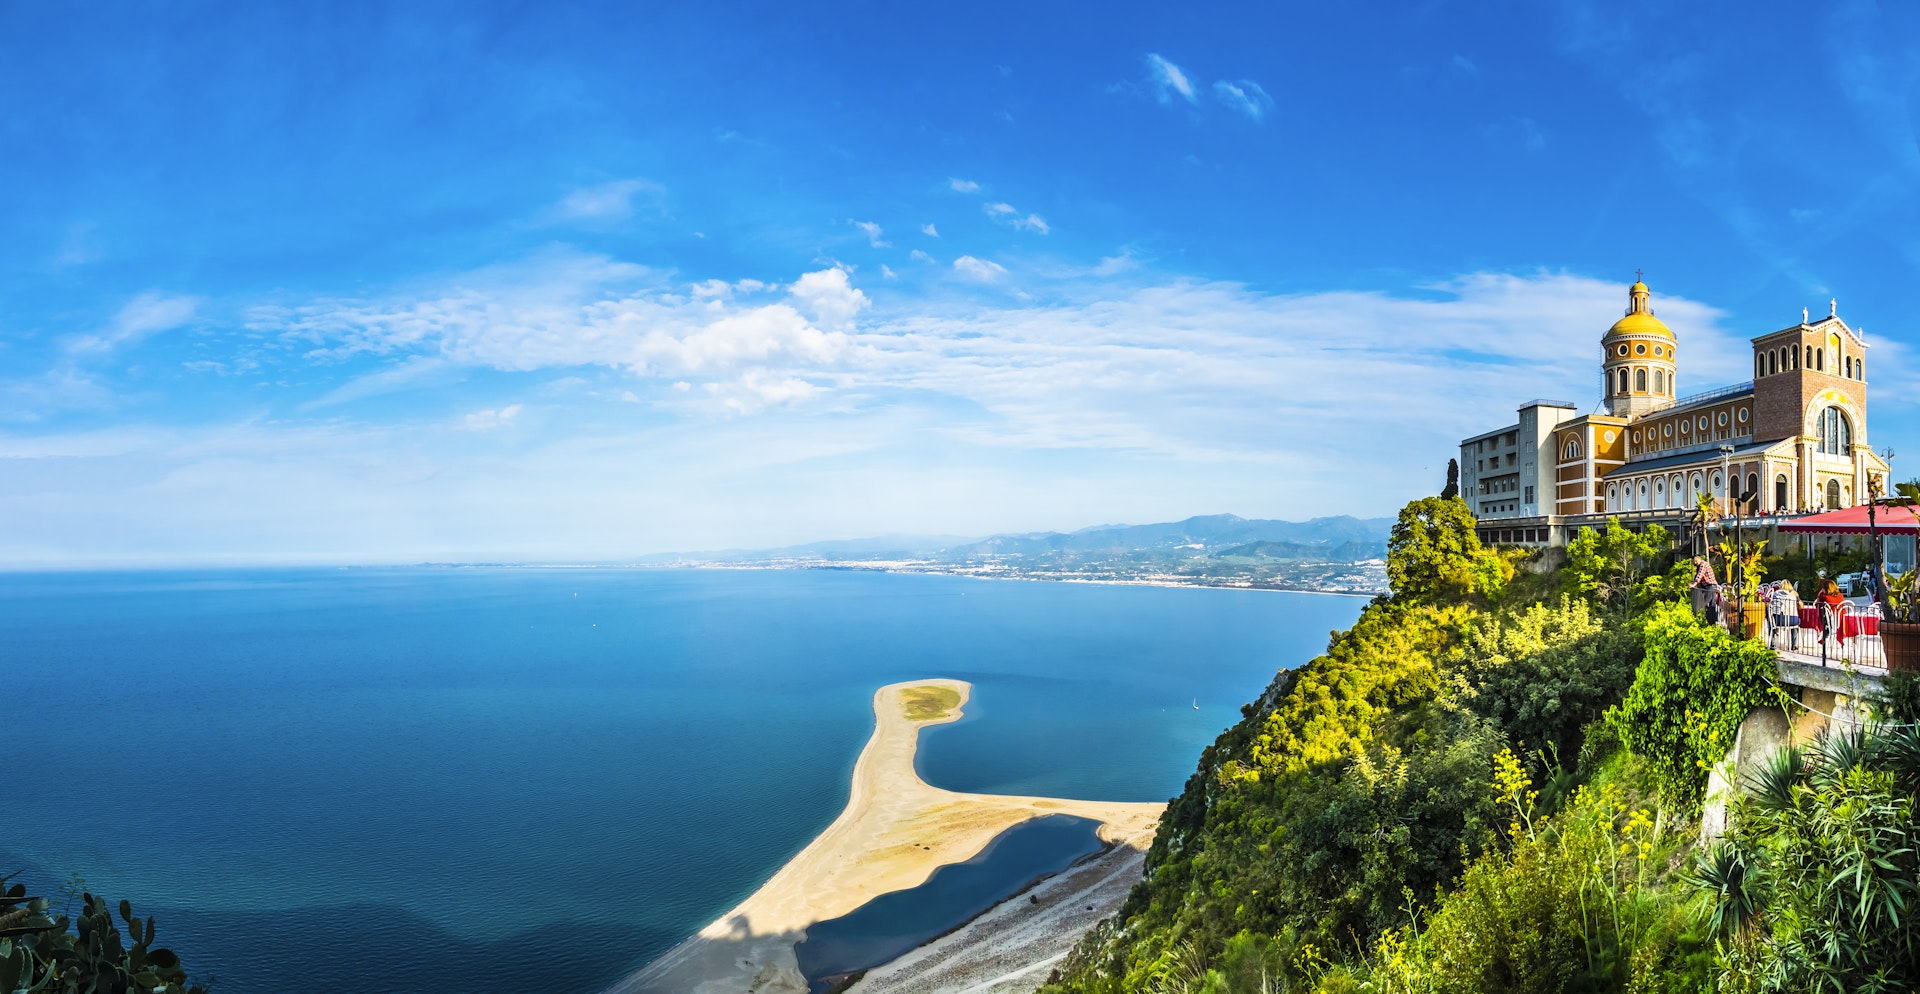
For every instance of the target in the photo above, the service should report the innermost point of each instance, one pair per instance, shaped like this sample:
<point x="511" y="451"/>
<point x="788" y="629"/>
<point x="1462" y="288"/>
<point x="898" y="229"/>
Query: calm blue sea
<point x="515" y="780"/>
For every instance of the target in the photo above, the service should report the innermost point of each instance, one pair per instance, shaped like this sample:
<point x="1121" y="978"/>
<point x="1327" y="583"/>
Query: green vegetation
<point x="41" y="951"/>
<point x="1491" y="783"/>
<point x="929" y="702"/>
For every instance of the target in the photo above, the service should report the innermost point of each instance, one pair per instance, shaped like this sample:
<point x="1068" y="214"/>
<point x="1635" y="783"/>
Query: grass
<point x="928" y="703"/>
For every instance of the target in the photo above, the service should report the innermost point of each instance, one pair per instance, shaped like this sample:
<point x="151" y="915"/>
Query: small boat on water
<point x="1196" y="704"/>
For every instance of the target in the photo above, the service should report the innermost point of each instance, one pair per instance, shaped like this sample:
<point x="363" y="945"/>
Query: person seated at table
<point x="1830" y="599"/>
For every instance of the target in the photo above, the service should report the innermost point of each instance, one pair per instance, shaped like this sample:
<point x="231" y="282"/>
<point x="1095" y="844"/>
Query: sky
<point x="562" y="281"/>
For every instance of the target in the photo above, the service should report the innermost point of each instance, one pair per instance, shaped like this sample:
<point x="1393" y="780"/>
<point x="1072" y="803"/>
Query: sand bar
<point x="896" y="830"/>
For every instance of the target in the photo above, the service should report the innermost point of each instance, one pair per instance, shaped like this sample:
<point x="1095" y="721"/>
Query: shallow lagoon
<point x="477" y="780"/>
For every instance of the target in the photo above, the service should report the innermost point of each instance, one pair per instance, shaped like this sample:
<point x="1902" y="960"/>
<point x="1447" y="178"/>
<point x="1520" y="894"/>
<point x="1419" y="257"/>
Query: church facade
<point x="1791" y="440"/>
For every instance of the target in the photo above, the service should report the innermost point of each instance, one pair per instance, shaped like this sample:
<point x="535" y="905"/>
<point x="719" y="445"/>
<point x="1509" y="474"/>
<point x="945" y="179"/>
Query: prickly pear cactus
<point x="41" y="953"/>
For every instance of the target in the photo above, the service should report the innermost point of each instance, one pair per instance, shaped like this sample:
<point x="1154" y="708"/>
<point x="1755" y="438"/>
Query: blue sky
<point x="563" y="280"/>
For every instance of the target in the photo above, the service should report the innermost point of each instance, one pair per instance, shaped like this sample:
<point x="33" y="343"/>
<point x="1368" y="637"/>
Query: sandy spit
<point x="895" y="831"/>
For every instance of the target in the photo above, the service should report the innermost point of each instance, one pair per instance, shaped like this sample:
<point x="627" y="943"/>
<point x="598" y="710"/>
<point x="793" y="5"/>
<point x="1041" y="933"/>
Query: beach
<point x="894" y="832"/>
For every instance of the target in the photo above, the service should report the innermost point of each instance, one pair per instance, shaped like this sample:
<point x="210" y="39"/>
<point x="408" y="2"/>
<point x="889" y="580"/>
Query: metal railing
<point x="1707" y="396"/>
<point x="1847" y="637"/>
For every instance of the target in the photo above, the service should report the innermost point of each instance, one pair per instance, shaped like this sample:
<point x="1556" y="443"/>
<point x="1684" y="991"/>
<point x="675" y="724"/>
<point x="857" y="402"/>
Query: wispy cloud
<point x="148" y="314"/>
<point x="493" y="418"/>
<point x="1245" y="96"/>
<point x="979" y="270"/>
<point x="873" y="233"/>
<point x="1168" y="80"/>
<point x="929" y="230"/>
<point x="576" y="312"/>
<point x="609" y="201"/>
<point x="1008" y="215"/>
<point x="963" y="186"/>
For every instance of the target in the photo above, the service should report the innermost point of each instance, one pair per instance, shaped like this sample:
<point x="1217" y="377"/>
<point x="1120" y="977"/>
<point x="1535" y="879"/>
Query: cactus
<point x="44" y="954"/>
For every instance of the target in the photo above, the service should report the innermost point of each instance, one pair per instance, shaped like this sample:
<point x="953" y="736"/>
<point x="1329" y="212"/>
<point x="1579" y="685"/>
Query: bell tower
<point x="1637" y="359"/>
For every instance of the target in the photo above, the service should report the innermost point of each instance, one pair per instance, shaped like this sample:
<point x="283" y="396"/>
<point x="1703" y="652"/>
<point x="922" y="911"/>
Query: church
<point x="1791" y="440"/>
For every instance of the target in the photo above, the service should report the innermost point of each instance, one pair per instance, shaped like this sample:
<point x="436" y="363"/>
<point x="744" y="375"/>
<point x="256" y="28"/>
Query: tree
<point x="1452" y="489"/>
<point x="1607" y="566"/>
<point x="1434" y="552"/>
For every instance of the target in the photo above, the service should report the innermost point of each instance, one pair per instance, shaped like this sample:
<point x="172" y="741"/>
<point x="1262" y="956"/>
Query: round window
<point x="1610" y="437"/>
<point x="1685" y="427"/>
<point x="1640" y="349"/>
<point x="1623" y="349"/>
<point x="1743" y="415"/>
<point x="1723" y="419"/>
<point x="1701" y="422"/>
<point x="1636" y="437"/>
<point x="1667" y="431"/>
<point x="1657" y="350"/>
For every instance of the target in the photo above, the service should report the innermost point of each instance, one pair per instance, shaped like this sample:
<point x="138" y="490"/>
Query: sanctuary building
<point x="1790" y="440"/>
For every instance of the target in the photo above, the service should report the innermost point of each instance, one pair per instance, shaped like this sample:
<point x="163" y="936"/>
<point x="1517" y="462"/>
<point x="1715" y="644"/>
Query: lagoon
<point x="430" y="780"/>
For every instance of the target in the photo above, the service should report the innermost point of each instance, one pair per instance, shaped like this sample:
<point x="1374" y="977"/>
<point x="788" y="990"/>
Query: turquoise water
<point x="481" y="780"/>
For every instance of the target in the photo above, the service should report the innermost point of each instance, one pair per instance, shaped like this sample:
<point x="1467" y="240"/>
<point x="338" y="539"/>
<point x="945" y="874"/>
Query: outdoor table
<point x="1810" y="616"/>
<point x="1858" y="624"/>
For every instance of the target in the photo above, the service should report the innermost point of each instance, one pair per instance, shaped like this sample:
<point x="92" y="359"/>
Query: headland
<point x="895" y="831"/>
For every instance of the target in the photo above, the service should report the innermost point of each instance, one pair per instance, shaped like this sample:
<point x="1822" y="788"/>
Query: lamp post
<point x="1733" y="561"/>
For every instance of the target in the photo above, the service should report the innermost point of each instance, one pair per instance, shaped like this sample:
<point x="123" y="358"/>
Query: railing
<point x="1717" y="393"/>
<point x="1820" y="635"/>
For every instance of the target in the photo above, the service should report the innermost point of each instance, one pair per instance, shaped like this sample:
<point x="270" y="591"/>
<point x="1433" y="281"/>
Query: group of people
<point x="1829" y="598"/>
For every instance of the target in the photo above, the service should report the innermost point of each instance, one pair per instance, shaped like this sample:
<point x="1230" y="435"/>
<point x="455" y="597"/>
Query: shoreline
<point x="894" y="832"/>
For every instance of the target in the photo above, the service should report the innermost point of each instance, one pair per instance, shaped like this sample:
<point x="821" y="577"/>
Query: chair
<point x="1783" y="618"/>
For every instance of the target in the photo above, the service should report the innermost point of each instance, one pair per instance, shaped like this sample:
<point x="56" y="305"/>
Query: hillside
<point x="1492" y="783"/>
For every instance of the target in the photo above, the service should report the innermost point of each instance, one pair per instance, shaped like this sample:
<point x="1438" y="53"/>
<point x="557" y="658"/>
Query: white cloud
<point x="606" y="201"/>
<point x="410" y="373"/>
<point x="1128" y="395"/>
<point x="143" y="316"/>
<point x="490" y="419"/>
<point x="1463" y="65"/>
<point x="929" y="230"/>
<point x="1245" y="96"/>
<point x="1008" y="215"/>
<point x="887" y="272"/>
<point x="1168" y="80"/>
<point x="922" y="256"/>
<point x="873" y="233"/>
<point x="964" y="186"/>
<point x="580" y="311"/>
<point x="981" y="270"/>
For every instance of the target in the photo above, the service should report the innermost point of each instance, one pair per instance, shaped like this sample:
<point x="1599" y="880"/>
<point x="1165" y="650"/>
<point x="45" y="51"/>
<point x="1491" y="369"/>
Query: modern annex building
<point x="1792" y="439"/>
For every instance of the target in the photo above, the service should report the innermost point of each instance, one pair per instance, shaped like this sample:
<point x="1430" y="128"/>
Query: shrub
<point x="1694" y="687"/>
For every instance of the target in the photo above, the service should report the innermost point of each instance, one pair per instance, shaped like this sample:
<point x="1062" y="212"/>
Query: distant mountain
<point x="1208" y="534"/>
<point x="1334" y="539"/>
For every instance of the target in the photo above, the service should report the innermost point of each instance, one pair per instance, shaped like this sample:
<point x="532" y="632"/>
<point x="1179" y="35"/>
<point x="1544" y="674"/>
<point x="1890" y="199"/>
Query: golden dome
<point x="1639" y="319"/>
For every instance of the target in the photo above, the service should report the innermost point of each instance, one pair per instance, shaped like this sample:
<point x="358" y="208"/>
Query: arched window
<point x="1833" y="495"/>
<point x="1659" y="381"/>
<point x="1859" y="369"/>
<point x="1659" y="494"/>
<point x="1819" y="360"/>
<point x="1759" y="366"/>
<point x="1780" y="492"/>
<point x="1849" y="364"/>
<point x="1753" y="487"/>
<point x="1573" y="449"/>
<point x="1836" y="432"/>
<point x="1719" y="486"/>
<point x="1640" y="380"/>
<point x="1693" y="489"/>
<point x="1623" y="381"/>
<point x="1809" y="356"/>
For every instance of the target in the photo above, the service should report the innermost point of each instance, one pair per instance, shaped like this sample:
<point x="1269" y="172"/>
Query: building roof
<point x="1697" y="456"/>
<point x="1639" y="319"/>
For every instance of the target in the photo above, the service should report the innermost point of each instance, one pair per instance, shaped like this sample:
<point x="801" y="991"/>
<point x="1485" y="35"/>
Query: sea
<point x="480" y="780"/>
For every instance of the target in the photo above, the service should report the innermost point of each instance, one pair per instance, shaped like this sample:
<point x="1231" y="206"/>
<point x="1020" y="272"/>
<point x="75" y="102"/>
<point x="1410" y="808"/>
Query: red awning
<point x="1853" y="521"/>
